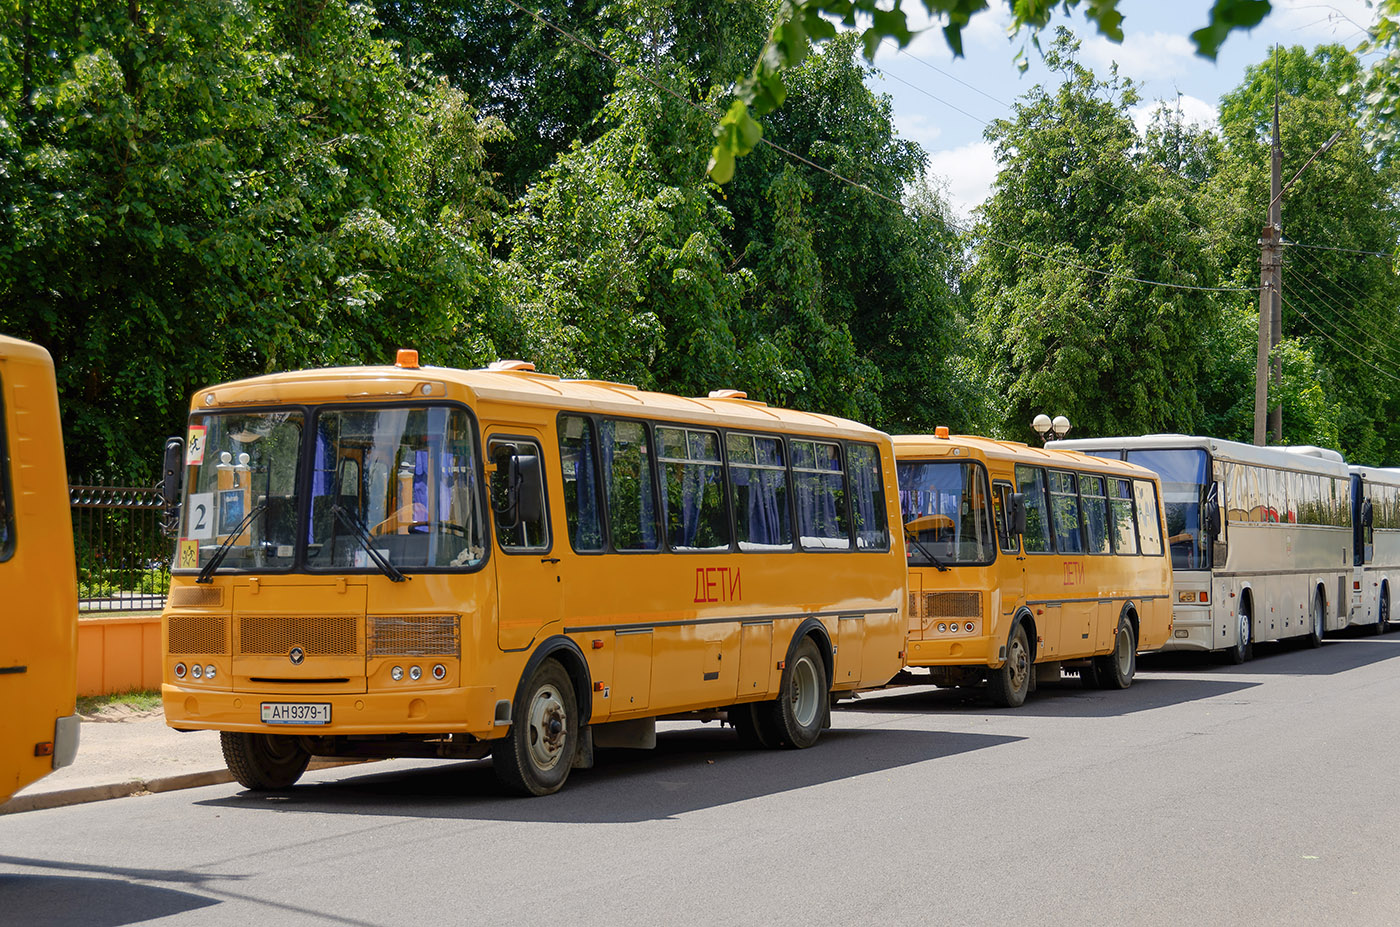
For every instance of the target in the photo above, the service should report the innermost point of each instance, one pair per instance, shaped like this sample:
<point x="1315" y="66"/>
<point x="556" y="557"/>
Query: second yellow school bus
<point x="419" y="561"/>
<point x="1025" y="561"/>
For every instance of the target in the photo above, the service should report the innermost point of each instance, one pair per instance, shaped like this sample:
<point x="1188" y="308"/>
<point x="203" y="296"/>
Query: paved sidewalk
<point x="135" y="755"/>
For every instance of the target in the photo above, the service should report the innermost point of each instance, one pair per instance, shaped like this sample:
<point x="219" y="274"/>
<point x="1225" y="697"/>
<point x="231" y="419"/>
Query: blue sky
<point x="943" y="103"/>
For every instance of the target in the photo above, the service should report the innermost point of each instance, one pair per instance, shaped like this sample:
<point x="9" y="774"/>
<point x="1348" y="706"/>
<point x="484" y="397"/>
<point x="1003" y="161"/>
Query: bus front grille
<point x="197" y="634"/>
<point x="951" y="605"/>
<point x="196" y="597"/>
<point x="413" y="636"/>
<point x="260" y="635"/>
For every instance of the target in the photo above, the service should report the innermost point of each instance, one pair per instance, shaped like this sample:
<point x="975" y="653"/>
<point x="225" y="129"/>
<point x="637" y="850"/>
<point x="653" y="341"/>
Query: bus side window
<point x="1148" y="518"/>
<point x="692" y="497"/>
<point x="1125" y="539"/>
<point x="758" y="492"/>
<point x="516" y="530"/>
<point x="1001" y="502"/>
<point x="627" y="480"/>
<point x="578" y="465"/>
<point x="1095" y="508"/>
<point x="1064" y="510"/>
<point x="819" y="485"/>
<point x="1031" y="481"/>
<point x="872" y="533"/>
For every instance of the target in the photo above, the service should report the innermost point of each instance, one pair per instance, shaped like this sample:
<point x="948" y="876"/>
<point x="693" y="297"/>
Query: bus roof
<point x="511" y="383"/>
<point x="1390" y="475"/>
<point x="914" y="446"/>
<point x="14" y="348"/>
<point x="1304" y="457"/>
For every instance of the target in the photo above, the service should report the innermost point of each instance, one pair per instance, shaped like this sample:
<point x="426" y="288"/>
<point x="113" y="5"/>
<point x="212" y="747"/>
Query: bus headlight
<point x="415" y="673"/>
<point x="180" y="671"/>
<point x="439" y="671"/>
<point x="396" y="673"/>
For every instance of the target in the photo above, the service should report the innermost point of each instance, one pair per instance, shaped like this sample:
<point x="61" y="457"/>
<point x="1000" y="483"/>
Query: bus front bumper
<point x="968" y="651"/>
<point x="466" y="710"/>
<point x="65" y="740"/>
<point x="1192" y="629"/>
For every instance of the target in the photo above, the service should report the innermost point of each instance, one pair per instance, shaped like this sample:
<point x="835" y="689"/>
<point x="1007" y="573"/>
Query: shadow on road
<point x="689" y="770"/>
<point x="1064" y="699"/>
<point x="1287" y="658"/>
<point x="80" y="901"/>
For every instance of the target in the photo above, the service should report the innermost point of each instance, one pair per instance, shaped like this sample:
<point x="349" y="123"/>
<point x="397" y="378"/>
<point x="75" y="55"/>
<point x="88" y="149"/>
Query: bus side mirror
<point x="1018" y="513"/>
<point x="171" y="470"/>
<point x="1212" y="519"/>
<point x="1367" y="513"/>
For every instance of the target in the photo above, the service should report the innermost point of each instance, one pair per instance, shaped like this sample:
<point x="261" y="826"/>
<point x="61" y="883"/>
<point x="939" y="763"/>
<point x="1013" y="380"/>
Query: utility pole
<point x="1270" y="297"/>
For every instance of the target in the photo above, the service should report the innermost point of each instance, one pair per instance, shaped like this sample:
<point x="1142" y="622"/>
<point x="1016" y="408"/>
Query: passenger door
<point x="529" y="591"/>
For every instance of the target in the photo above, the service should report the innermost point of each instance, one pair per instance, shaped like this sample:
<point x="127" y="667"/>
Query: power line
<point x="1380" y="254"/>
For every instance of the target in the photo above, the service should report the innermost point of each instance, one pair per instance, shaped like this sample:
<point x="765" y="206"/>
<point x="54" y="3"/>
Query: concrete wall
<point x="118" y="653"/>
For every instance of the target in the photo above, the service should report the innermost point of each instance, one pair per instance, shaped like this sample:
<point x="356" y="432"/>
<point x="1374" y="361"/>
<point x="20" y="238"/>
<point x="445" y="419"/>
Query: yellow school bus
<point x="1024" y="562"/>
<point x="38" y="582"/>
<point x="420" y="561"/>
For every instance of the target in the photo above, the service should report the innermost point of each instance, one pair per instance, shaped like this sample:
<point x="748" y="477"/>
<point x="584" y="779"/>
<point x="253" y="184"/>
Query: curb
<point x="42" y="801"/>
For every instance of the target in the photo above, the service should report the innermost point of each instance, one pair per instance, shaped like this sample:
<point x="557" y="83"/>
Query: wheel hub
<point x="548" y="728"/>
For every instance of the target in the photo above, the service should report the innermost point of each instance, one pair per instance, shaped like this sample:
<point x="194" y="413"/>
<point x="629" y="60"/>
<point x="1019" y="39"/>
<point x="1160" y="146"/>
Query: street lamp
<point x="1050" y="429"/>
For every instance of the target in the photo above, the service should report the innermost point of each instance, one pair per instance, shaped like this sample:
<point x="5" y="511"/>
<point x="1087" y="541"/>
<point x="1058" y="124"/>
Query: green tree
<point x="1339" y="215"/>
<point x="206" y="189"/>
<point x="1081" y="232"/>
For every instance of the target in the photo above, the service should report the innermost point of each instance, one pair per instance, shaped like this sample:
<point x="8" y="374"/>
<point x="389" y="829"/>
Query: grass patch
<point x="137" y="700"/>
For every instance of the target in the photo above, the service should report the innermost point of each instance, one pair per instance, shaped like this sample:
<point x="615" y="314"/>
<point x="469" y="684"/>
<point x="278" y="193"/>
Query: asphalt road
<point x="1262" y="794"/>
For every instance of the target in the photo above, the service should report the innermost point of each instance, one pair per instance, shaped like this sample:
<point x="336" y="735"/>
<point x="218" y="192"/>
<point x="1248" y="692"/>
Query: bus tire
<point x="1116" y="669"/>
<point x="1011" y="682"/>
<point x="1319" y="621"/>
<point x="1244" y="642"/>
<point x="799" y="712"/>
<point x="264" y="762"/>
<point x="534" y="758"/>
<point x="1383" y="611"/>
<point x="752" y="722"/>
<point x="1089" y="675"/>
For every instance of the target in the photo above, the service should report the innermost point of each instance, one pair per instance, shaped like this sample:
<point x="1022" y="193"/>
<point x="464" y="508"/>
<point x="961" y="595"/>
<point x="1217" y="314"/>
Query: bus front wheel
<point x="1010" y="683"/>
<point x="535" y="757"/>
<point x="1319" y="621"/>
<point x="796" y="716"/>
<point x="752" y="721"/>
<point x="1116" y="670"/>
<point x="1244" y="639"/>
<point x="263" y="762"/>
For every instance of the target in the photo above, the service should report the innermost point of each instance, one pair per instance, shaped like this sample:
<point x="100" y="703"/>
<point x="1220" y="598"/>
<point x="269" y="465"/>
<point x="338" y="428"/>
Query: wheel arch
<point x="1022" y="617"/>
<point x="814" y="629"/>
<point x="1130" y="612"/>
<point x="569" y="655"/>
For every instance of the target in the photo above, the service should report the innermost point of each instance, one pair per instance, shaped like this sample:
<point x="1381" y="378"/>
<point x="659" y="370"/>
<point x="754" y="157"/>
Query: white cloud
<point x="1193" y="110"/>
<point x="987" y="29"/>
<point x="1143" y="56"/>
<point x="1343" y="21"/>
<point x="916" y="127"/>
<point x="969" y="172"/>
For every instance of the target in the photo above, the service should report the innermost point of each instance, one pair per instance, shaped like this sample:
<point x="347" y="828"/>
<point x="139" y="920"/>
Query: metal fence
<point x="123" y="558"/>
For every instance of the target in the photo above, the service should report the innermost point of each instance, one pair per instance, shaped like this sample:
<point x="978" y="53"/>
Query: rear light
<point x="1356" y="584"/>
<point x="1205" y="596"/>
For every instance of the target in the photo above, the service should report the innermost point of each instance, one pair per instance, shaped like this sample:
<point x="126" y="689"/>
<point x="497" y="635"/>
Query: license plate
<point x="296" y="712"/>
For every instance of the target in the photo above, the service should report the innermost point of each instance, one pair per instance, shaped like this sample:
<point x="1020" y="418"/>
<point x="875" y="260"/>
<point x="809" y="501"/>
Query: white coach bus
<point x="1375" y="518"/>
<point x="1261" y="538"/>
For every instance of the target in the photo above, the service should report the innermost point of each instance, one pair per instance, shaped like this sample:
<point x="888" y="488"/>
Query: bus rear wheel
<point x="1116" y="670"/>
<point x="797" y="715"/>
<point x="1383" y="612"/>
<point x="264" y="762"/>
<point x="537" y="754"/>
<point x="1010" y="683"/>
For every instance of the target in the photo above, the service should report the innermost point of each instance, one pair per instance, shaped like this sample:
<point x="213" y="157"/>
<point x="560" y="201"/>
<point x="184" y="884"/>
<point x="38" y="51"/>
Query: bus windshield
<point x="386" y="489"/>
<point x="946" y="510"/>
<point x="1185" y="474"/>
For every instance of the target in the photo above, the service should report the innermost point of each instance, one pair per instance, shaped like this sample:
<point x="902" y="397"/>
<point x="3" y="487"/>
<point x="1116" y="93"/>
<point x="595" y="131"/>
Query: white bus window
<point x="758" y="485"/>
<point x="513" y="532"/>
<point x="692" y="505"/>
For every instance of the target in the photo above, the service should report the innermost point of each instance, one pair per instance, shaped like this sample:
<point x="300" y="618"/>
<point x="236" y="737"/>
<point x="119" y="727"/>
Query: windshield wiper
<point x="357" y="528"/>
<point x="924" y="550"/>
<point x="206" y="575"/>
